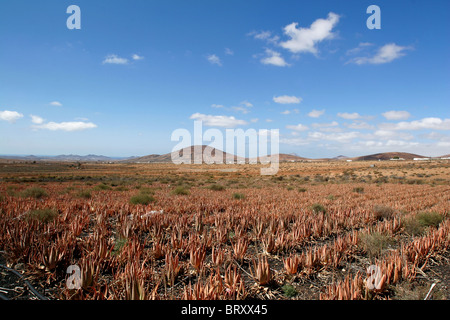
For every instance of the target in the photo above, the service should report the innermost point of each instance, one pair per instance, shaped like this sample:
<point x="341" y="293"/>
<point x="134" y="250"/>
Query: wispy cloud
<point x="213" y="59"/>
<point x="359" y="48"/>
<point x="274" y="58"/>
<point x="264" y="35"/>
<point x="396" y="115"/>
<point x="306" y="39"/>
<point x="114" y="59"/>
<point x="287" y="99"/>
<point x="298" y="127"/>
<point x="385" y="54"/>
<point x="56" y="104"/>
<point x="349" y="116"/>
<point x="66" y="126"/>
<point x="218" y="121"/>
<point x="360" y="125"/>
<point x="229" y="52"/>
<point x="425" y="123"/>
<point x="316" y="113"/>
<point x="10" y="116"/>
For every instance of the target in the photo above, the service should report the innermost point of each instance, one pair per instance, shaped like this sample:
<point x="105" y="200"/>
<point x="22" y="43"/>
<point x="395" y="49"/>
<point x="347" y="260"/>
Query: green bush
<point x="382" y="212"/>
<point x="102" y="187"/>
<point x="34" y="192"/>
<point x="318" y="208"/>
<point x="43" y="215"/>
<point x="289" y="290"/>
<point x="238" y="196"/>
<point x="181" y="191"/>
<point x="216" y="187"/>
<point x="358" y="190"/>
<point x="142" y="198"/>
<point x="302" y="190"/>
<point x="429" y="219"/>
<point x="374" y="243"/>
<point x="118" y="245"/>
<point x="85" y="194"/>
<point x="416" y="225"/>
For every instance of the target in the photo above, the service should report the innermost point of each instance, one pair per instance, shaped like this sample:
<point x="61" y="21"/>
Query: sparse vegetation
<point x="216" y="187"/>
<point x="34" y="192"/>
<point x="253" y="240"/>
<point x="181" y="191"/>
<point x="416" y="225"/>
<point x="318" y="208"/>
<point x="142" y="198"/>
<point x="85" y="194"/>
<point x="42" y="215"/>
<point x="382" y="212"/>
<point x="375" y="243"/>
<point x="358" y="190"/>
<point x="289" y="290"/>
<point x="238" y="196"/>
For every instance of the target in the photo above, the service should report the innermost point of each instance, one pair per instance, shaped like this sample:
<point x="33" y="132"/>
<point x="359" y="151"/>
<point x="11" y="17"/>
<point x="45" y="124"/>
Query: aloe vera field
<point x="209" y="232"/>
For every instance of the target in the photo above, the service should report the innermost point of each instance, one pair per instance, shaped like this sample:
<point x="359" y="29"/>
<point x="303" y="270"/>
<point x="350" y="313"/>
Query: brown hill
<point x="388" y="156"/>
<point x="282" y="157"/>
<point x="207" y="155"/>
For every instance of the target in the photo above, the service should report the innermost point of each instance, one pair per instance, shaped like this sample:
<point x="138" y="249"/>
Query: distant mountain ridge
<point x="208" y="151"/>
<point x="64" y="158"/>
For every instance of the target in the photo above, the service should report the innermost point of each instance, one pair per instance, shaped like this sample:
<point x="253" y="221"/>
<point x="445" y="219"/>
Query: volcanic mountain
<point x="388" y="156"/>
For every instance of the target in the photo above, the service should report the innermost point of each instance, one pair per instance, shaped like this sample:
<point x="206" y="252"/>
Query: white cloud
<point x="286" y="112"/>
<point x="246" y="104"/>
<point x="339" y="137"/>
<point x="217" y="106"/>
<point x="325" y="125"/>
<point x="213" y="59"/>
<point x="316" y="113"/>
<point x="244" y="110"/>
<point x="361" y="46"/>
<point x="391" y="134"/>
<point x="295" y="141"/>
<point x="298" y="127"/>
<point x="56" y="104"/>
<point x="396" y="115"/>
<point x="218" y="121"/>
<point x="287" y="99"/>
<point x="137" y="57"/>
<point x="254" y="120"/>
<point x="10" y="116"/>
<point x="267" y="133"/>
<point x="264" y="35"/>
<point x="425" y="123"/>
<point x="385" y="54"/>
<point x="269" y="120"/>
<point x="306" y="39"/>
<point x="349" y="116"/>
<point x="400" y="143"/>
<point x="114" y="59"/>
<point x="360" y="125"/>
<point x="229" y="52"/>
<point x="36" y="119"/>
<point x="274" y="58"/>
<point x="66" y="126"/>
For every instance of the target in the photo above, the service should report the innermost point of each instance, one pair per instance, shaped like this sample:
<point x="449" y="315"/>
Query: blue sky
<point x="138" y="70"/>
